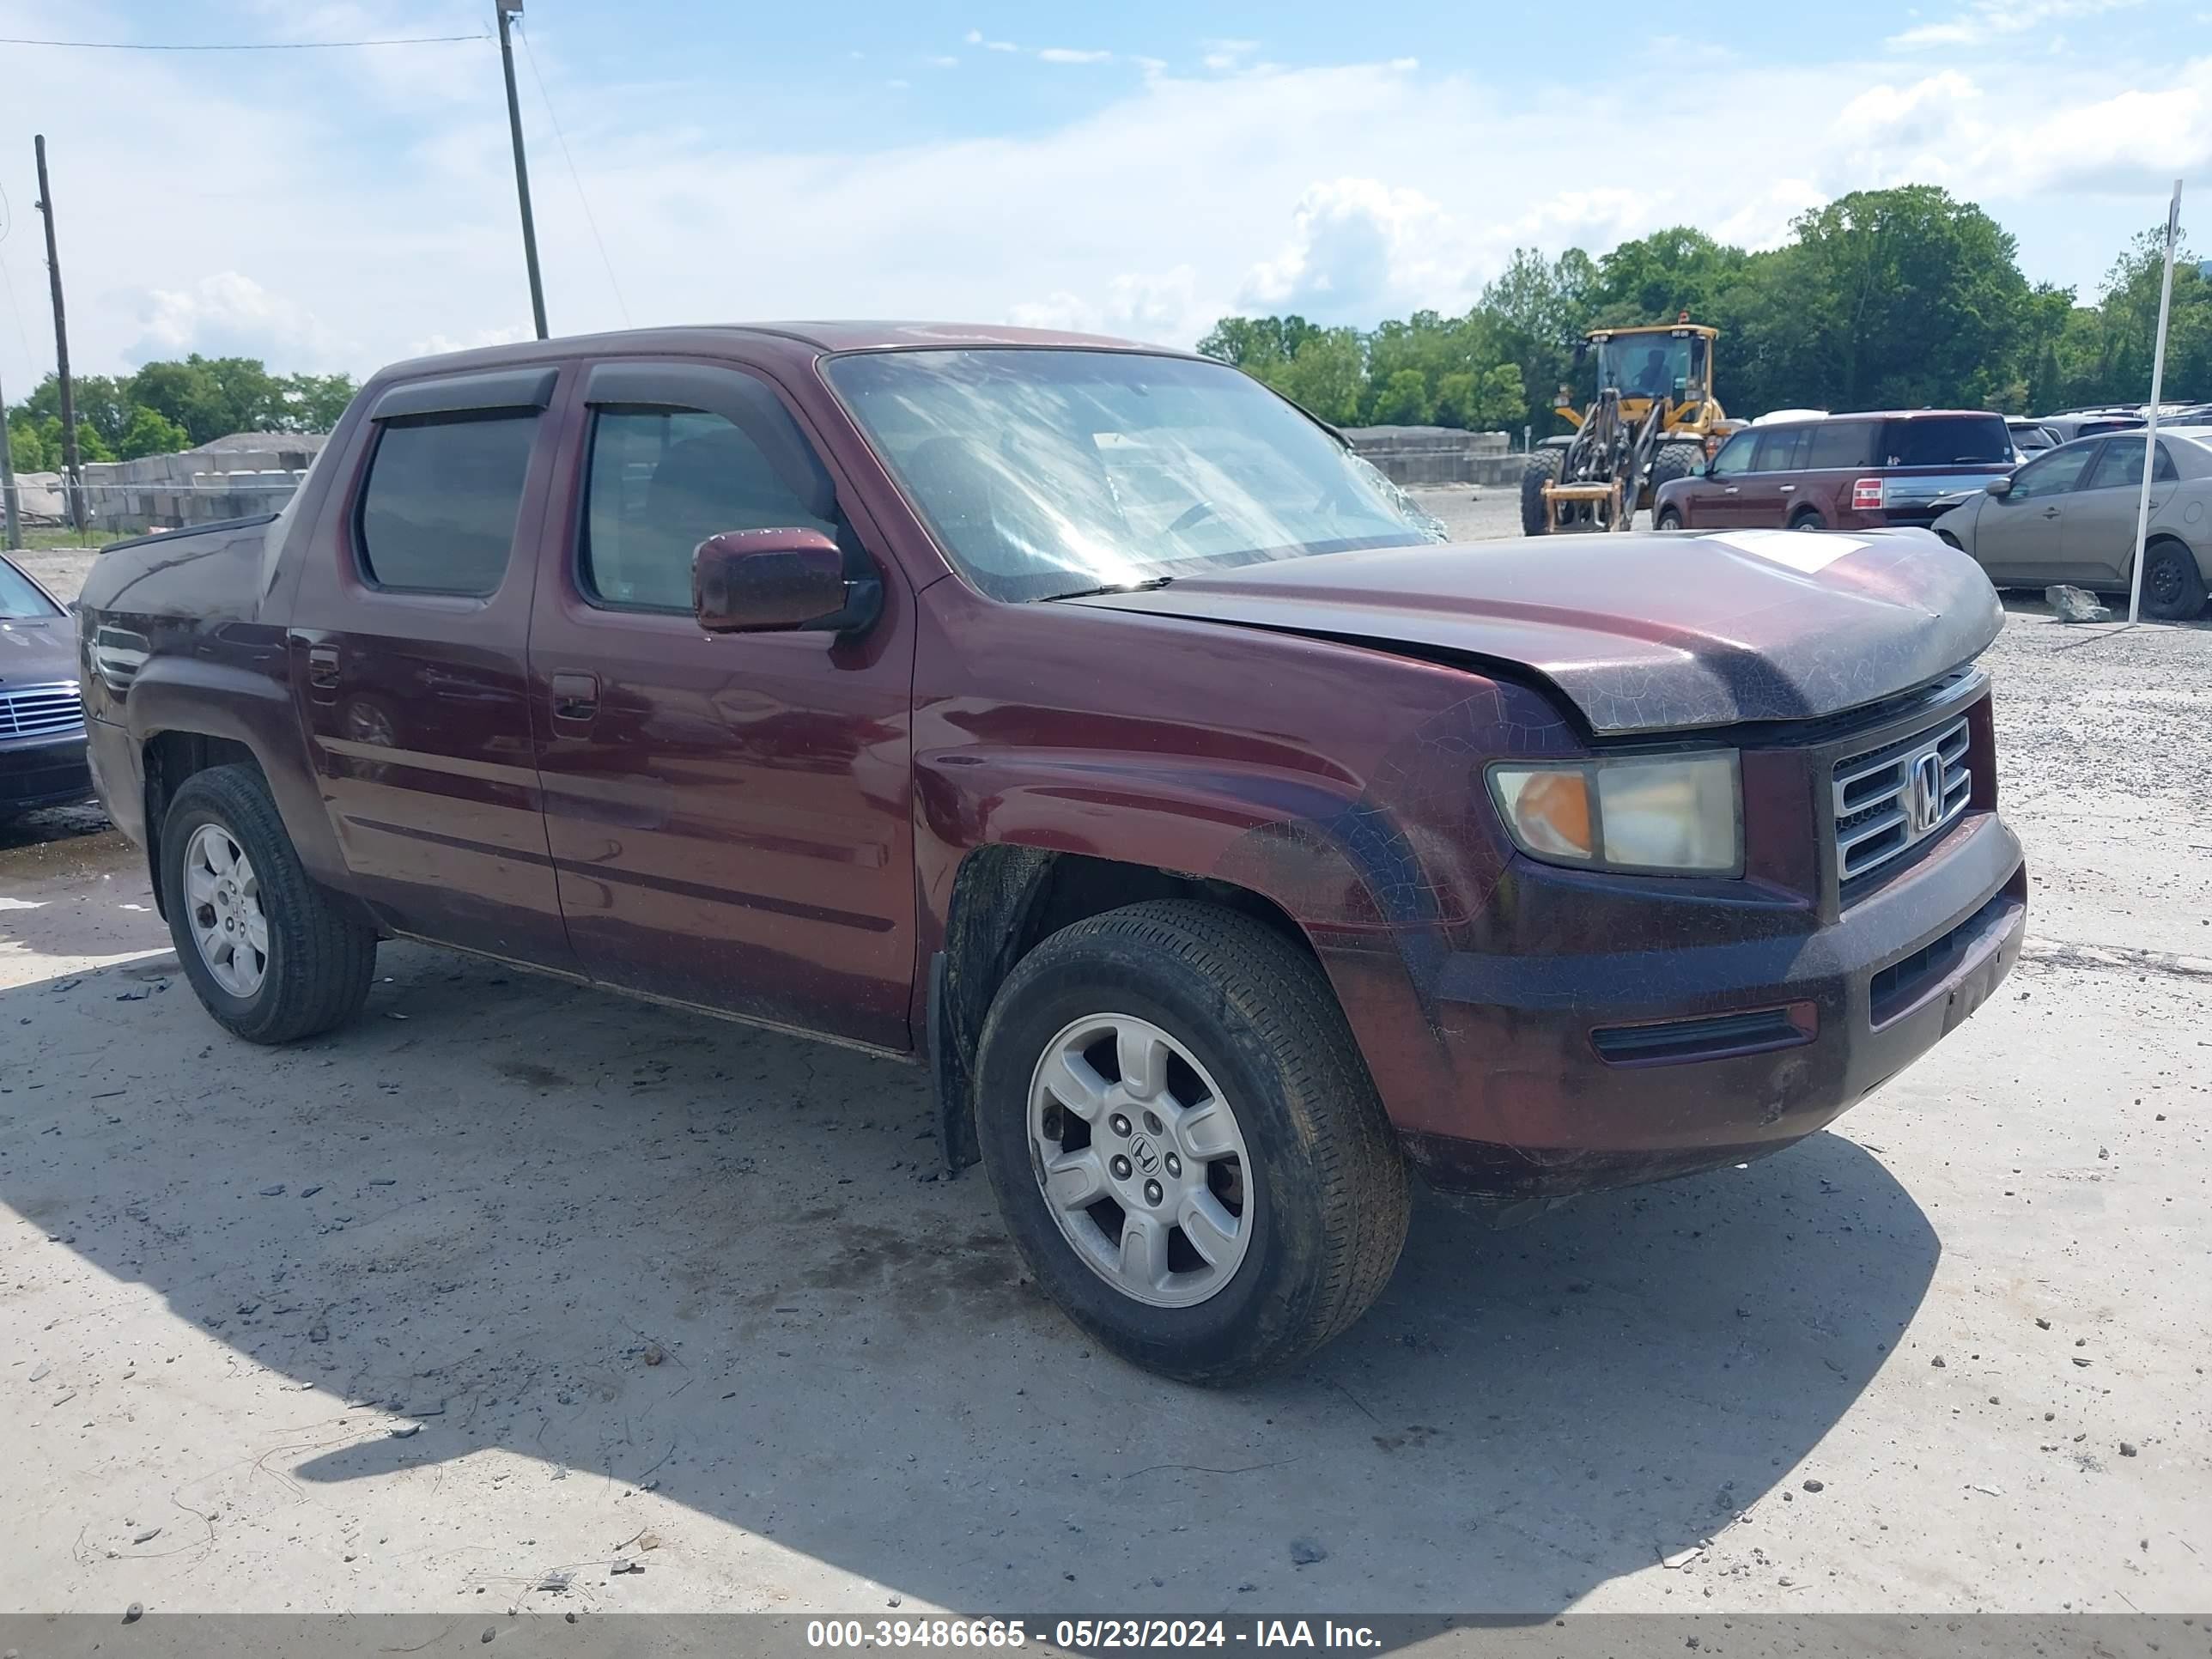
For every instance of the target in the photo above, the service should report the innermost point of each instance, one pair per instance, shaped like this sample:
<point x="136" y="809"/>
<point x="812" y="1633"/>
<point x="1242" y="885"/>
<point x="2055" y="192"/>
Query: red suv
<point x="1840" y="472"/>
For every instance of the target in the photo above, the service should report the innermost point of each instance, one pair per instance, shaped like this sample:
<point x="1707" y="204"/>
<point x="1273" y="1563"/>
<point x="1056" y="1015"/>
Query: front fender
<point x="1187" y="816"/>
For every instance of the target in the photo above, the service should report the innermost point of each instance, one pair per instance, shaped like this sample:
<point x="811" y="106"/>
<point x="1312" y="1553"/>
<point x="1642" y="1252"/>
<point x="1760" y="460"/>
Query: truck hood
<point x="1641" y="632"/>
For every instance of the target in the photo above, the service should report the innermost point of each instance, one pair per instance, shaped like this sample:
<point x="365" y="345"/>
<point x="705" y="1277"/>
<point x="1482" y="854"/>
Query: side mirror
<point x="758" y="582"/>
<point x="1999" y="487"/>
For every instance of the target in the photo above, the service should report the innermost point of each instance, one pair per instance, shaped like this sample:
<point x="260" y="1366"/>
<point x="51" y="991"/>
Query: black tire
<point x="1543" y="468"/>
<point x="1668" y="519"/>
<point x="319" y="962"/>
<point x="1675" y="460"/>
<point x="2172" y="586"/>
<point x="1948" y="539"/>
<point x="1810" y="519"/>
<point x="1326" y="1185"/>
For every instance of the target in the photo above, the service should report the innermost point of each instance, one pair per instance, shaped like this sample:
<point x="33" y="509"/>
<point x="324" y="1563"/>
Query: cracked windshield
<point x="1047" y="473"/>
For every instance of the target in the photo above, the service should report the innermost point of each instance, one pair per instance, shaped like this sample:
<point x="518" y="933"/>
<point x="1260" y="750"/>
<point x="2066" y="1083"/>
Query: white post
<point x="2150" y="425"/>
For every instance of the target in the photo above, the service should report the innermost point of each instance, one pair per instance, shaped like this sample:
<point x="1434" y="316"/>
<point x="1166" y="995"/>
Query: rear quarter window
<point x="1947" y="440"/>
<point x="437" y="513"/>
<point x="1843" y="446"/>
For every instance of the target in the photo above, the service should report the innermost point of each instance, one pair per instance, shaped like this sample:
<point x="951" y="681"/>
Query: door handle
<point x="1786" y="488"/>
<point x="2049" y="511"/>
<point x="323" y="672"/>
<point x="1730" y="490"/>
<point x="575" y="697"/>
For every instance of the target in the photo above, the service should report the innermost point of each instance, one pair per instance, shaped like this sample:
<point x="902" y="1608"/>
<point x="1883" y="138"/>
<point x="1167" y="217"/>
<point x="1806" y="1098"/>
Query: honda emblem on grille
<point x="1923" y="795"/>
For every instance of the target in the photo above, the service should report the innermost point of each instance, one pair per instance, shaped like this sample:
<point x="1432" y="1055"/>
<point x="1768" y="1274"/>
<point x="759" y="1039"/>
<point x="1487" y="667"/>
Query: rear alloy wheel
<point x="272" y="956"/>
<point x="1669" y="519"/>
<point x="2172" y="586"/>
<point x="1184" y="1140"/>
<point x="1807" y="521"/>
<point x="223" y="896"/>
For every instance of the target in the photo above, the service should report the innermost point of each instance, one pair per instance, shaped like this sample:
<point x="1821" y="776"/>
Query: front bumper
<point x="1606" y="1070"/>
<point x="45" y="771"/>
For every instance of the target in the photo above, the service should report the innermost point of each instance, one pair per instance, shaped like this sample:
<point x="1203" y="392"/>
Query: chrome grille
<point x="38" y="711"/>
<point x="1882" y="810"/>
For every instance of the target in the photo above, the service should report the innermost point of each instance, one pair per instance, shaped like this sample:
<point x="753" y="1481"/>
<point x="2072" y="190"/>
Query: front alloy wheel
<point x="1140" y="1160"/>
<point x="1184" y="1140"/>
<point x="227" y="922"/>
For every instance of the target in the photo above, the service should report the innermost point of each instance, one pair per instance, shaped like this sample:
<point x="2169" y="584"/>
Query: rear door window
<point x="1947" y="440"/>
<point x="1842" y="446"/>
<point x="437" y="514"/>
<point x="2121" y="463"/>
<point x="1784" y="449"/>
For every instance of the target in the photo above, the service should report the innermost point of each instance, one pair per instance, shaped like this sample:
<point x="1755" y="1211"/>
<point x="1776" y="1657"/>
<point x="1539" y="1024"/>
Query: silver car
<point x="2069" y="516"/>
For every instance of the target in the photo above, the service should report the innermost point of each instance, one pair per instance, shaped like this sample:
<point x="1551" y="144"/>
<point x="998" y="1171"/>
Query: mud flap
<point x="950" y="1082"/>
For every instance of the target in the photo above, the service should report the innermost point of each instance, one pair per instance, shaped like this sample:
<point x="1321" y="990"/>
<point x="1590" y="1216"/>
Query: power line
<point x="239" y="46"/>
<point x="574" y="178"/>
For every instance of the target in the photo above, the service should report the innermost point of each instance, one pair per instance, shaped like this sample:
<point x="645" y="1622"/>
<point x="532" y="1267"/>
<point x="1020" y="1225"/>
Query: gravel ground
<point x="512" y="1279"/>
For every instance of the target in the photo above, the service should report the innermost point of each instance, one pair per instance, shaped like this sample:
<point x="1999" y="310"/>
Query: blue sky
<point x="1140" y="169"/>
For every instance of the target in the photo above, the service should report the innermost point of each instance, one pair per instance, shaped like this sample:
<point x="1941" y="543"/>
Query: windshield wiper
<point x="1143" y="586"/>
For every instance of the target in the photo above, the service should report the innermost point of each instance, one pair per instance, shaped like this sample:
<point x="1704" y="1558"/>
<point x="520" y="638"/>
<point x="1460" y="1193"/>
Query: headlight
<point x="1677" y="814"/>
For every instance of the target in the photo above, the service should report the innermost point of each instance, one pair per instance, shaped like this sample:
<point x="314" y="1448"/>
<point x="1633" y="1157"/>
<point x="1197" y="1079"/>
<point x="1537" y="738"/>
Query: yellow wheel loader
<point x="1656" y="418"/>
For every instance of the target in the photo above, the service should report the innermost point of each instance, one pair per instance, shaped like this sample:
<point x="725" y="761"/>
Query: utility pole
<point x="505" y="10"/>
<point x="72" y="470"/>
<point x="8" y="480"/>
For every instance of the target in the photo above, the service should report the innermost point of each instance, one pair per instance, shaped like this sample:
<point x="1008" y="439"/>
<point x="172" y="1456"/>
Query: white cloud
<point x="1944" y="129"/>
<point x="1985" y="20"/>
<point x="942" y="60"/>
<point x="1359" y="248"/>
<point x="227" y="314"/>
<point x="1072" y="55"/>
<point x="431" y="345"/>
<point x="1161" y="310"/>
<point x="321" y="215"/>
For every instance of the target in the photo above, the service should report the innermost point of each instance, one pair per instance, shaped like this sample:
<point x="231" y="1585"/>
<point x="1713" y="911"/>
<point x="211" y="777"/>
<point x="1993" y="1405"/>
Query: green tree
<point x="1483" y="401"/>
<point x="1328" y="375"/>
<point x="1881" y="298"/>
<point x="212" y="397"/>
<point x="151" y="433"/>
<point x="1457" y="394"/>
<point x="1654" y="278"/>
<point x="1404" y="400"/>
<point x="1257" y="343"/>
<point x="312" y="403"/>
<point x="27" y="444"/>
<point x="1905" y="298"/>
<point x="90" y="446"/>
<point x="1538" y="309"/>
<point x="103" y="404"/>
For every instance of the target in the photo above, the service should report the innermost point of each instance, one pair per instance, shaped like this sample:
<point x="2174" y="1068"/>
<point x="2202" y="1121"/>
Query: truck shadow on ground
<point x="654" y="1252"/>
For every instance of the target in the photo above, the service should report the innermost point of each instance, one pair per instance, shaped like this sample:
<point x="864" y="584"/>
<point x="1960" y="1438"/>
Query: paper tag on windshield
<point x="1793" y="548"/>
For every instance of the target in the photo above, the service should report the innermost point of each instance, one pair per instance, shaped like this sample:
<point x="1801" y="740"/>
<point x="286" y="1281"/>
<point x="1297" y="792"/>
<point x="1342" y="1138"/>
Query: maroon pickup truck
<point x="1085" y="722"/>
